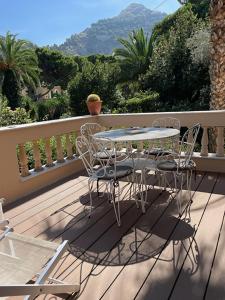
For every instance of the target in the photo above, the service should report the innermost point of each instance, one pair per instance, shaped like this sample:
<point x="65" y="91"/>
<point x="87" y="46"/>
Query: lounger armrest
<point x="4" y="223"/>
<point x="37" y="289"/>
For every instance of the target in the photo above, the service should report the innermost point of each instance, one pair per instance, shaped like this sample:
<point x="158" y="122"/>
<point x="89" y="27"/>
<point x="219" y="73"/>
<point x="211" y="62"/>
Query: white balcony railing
<point x="18" y="180"/>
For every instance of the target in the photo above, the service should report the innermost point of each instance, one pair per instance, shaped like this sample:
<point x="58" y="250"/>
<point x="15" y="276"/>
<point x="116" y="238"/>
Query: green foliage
<point x="12" y="117"/>
<point x="134" y="57"/>
<point x="11" y="89"/>
<point x="29" y="105"/>
<point x="172" y="72"/>
<point x="199" y="46"/>
<point x="142" y="102"/>
<point x="101" y="58"/>
<point x="128" y="89"/>
<point x="51" y="109"/>
<point x="200" y="7"/>
<point x="98" y="78"/>
<point x="18" y="67"/>
<point x="57" y="69"/>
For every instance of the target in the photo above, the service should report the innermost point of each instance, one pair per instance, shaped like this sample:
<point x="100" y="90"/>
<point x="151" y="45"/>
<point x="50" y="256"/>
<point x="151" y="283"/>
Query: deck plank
<point x="135" y="260"/>
<point x="216" y="288"/>
<point x="146" y="221"/>
<point x="136" y="274"/>
<point x="207" y="231"/>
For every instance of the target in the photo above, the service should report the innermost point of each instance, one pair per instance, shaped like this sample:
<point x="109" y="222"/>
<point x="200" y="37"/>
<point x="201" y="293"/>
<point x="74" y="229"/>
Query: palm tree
<point x="135" y="55"/>
<point x="217" y="68"/>
<point x="18" y="67"/>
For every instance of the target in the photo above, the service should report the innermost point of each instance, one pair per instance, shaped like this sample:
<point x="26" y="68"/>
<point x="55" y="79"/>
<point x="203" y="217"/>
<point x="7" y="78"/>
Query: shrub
<point x="12" y="117"/>
<point x="143" y="102"/>
<point x="51" y="109"/>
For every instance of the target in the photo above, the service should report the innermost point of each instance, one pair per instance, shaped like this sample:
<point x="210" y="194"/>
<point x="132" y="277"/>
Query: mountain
<point x="102" y="36"/>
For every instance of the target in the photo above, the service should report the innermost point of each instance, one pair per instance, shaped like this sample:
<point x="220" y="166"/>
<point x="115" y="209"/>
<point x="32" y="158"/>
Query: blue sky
<point x="52" y="21"/>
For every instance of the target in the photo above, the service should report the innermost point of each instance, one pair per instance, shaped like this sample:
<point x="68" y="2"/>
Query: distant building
<point x="44" y="93"/>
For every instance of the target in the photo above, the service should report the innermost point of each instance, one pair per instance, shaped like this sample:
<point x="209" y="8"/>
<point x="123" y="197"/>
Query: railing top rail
<point x="34" y="131"/>
<point x="214" y="118"/>
<point x="44" y="123"/>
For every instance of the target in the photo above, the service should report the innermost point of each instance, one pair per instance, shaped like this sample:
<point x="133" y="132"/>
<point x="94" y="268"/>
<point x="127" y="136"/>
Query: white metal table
<point x="138" y="134"/>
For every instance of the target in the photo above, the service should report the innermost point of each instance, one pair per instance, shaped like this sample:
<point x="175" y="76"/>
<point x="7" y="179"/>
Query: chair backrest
<point x="91" y="155"/>
<point x="187" y="144"/>
<point x="85" y="153"/>
<point x="166" y="122"/>
<point x="89" y="129"/>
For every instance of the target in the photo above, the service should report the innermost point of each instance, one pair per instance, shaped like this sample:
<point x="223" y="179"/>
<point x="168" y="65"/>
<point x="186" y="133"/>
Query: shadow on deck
<point x="156" y="255"/>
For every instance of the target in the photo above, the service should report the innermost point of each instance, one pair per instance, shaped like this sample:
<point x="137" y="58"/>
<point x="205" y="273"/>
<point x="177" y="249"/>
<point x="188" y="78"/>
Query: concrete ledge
<point x="39" y="180"/>
<point x="210" y="163"/>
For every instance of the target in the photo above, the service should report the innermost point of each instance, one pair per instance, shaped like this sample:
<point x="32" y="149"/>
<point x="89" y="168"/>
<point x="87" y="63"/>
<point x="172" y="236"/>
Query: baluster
<point x="23" y="161"/>
<point x="59" y="150"/>
<point x="48" y="152"/>
<point x="220" y="142"/>
<point x="205" y="142"/>
<point x="129" y="147"/>
<point x="190" y="137"/>
<point x="77" y="133"/>
<point x="140" y="146"/>
<point x="69" y="147"/>
<point x="37" y="157"/>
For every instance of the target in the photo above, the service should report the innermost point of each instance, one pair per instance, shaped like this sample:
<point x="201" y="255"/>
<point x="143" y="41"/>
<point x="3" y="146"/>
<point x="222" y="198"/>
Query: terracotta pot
<point x="94" y="107"/>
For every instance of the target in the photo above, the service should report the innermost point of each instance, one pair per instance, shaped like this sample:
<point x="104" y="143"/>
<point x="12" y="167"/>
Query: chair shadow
<point x="110" y="245"/>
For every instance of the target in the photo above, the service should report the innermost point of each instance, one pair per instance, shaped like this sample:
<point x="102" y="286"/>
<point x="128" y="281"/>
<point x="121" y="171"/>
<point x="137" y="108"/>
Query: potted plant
<point x="94" y="104"/>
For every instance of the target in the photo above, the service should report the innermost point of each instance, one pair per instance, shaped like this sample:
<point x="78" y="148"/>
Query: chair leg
<point x="98" y="187"/>
<point x="178" y="193"/>
<point x="189" y="180"/>
<point x="90" y="186"/>
<point x="116" y="204"/>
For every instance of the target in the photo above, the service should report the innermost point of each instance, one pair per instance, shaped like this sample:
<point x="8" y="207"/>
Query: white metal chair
<point x="110" y="171"/>
<point x="88" y="130"/>
<point x="181" y="165"/>
<point x="24" y="259"/>
<point x="163" y="148"/>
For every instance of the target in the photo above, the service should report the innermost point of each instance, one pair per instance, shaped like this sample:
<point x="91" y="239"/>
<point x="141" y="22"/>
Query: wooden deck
<point x="152" y="256"/>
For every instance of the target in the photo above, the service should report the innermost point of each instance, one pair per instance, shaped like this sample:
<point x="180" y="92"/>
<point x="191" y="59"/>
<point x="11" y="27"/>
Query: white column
<point x="37" y="157"/>
<point x="69" y="147"/>
<point x="59" y="150"/>
<point x="205" y="142"/>
<point x="220" y="142"/>
<point x="23" y="161"/>
<point x="48" y="152"/>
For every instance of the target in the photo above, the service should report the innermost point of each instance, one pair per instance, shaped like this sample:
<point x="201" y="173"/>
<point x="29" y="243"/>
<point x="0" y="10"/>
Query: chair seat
<point x="157" y="152"/>
<point x="106" y="154"/>
<point x="22" y="257"/>
<point x="172" y="165"/>
<point x="139" y="164"/>
<point x="110" y="172"/>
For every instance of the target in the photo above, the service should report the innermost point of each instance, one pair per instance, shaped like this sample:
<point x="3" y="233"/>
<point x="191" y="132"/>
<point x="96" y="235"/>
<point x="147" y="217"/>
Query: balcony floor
<point x="152" y="256"/>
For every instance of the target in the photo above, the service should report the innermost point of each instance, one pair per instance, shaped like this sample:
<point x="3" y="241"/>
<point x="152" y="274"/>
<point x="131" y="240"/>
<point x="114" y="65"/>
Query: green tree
<point x="200" y="7"/>
<point x="51" y="109"/>
<point x="135" y="55"/>
<point x="57" y="68"/>
<point x="99" y="78"/>
<point x="18" y="67"/>
<point x="180" y="80"/>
